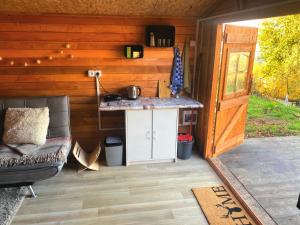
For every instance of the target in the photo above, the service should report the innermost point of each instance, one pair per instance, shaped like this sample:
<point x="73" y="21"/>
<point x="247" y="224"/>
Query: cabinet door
<point x="165" y="124"/>
<point x="138" y="135"/>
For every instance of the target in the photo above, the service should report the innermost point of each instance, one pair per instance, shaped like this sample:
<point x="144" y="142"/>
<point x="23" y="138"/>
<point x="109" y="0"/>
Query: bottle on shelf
<point x="152" y="40"/>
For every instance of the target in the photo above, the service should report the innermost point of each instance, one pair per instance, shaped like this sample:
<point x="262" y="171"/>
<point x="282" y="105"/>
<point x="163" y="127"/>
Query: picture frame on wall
<point x="189" y="116"/>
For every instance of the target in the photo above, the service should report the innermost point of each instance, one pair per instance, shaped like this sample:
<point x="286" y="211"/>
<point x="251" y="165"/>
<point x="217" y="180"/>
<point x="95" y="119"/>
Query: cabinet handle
<point x="148" y="135"/>
<point x="154" y="135"/>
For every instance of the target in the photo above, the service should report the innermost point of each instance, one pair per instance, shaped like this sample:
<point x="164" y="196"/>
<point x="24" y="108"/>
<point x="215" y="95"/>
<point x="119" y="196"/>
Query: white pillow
<point x="26" y="125"/>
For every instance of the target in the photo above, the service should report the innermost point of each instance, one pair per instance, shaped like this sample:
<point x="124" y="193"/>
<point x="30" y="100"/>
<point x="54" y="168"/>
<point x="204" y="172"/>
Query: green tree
<point x="278" y="75"/>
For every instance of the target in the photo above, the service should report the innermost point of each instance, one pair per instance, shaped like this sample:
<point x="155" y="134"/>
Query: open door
<point x="234" y="86"/>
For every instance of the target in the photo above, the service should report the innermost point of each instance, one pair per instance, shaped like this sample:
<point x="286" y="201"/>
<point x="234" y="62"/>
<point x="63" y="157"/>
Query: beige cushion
<point x="26" y="125"/>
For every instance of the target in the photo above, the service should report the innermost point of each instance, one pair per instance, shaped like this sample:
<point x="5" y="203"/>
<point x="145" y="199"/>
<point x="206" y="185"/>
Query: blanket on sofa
<point x="54" y="150"/>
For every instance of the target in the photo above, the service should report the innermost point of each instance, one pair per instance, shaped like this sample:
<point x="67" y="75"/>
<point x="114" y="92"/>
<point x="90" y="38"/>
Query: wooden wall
<point x="95" y="43"/>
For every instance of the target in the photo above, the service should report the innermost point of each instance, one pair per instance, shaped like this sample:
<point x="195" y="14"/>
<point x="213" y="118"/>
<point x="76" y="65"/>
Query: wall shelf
<point x="134" y="51"/>
<point x="163" y="36"/>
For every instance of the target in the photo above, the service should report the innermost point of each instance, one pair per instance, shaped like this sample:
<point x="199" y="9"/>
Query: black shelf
<point x="164" y="35"/>
<point x="133" y="51"/>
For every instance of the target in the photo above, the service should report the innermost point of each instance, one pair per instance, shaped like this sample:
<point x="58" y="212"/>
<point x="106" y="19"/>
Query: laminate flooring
<point x="151" y="194"/>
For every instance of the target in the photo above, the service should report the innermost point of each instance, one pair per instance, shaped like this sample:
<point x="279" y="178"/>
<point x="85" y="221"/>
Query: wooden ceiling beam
<point x="257" y="11"/>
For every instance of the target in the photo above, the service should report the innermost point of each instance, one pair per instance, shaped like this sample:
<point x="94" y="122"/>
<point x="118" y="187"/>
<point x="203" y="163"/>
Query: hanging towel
<point x="177" y="73"/>
<point x="186" y="66"/>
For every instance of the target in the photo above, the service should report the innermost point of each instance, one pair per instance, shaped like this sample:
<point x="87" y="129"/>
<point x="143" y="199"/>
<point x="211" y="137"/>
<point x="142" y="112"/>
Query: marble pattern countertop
<point x="150" y="103"/>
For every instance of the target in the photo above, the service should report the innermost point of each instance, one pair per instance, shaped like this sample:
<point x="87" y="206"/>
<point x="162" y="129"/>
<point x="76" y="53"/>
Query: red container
<point x="185" y="137"/>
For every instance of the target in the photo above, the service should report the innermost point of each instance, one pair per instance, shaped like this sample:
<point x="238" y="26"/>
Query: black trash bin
<point x="184" y="149"/>
<point x="113" y="150"/>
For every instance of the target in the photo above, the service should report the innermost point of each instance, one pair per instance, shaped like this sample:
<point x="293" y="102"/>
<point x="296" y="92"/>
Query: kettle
<point x="133" y="92"/>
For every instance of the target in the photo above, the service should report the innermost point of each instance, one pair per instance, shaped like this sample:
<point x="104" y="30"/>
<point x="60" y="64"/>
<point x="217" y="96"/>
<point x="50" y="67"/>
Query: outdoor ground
<point x="267" y="118"/>
<point x="269" y="168"/>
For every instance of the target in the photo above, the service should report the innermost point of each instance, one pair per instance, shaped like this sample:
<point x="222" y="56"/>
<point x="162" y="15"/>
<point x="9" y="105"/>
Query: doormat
<point x="221" y="207"/>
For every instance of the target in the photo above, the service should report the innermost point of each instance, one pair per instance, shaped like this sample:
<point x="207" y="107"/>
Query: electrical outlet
<point x="91" y="73"/>
<point x="98" y="73"/>
<point x="94" y="73"/>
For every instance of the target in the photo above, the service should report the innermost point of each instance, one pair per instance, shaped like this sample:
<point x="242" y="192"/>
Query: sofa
<point x="38" y="162"/>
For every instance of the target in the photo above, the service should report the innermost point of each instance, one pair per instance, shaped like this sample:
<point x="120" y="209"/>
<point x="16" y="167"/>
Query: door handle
<point x="154" y="135"/>
<point x="148" y="135"/>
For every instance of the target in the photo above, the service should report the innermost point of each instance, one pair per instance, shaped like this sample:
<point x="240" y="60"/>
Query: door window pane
<point x="237" y="72"/>
<point x="231" y="74"/>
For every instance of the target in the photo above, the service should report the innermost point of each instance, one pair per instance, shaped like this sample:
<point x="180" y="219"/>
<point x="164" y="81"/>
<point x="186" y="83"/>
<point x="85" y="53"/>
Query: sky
<point x="247" y="23"/>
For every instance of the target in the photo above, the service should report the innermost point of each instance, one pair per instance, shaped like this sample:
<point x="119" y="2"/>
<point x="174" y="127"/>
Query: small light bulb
<point x="1" y="58"/>
<point x="38" y="61"/>
<point x="68" y="45"/>
<point x="50" y="57"/>
<point x="25" y="64"/>
<point x="61" y="51"/>
<point x="12" y="63"/>
<point x="71" y="56"/>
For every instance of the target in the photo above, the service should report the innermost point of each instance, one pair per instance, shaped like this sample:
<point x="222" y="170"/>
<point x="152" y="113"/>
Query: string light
<point x="38" y="61"/>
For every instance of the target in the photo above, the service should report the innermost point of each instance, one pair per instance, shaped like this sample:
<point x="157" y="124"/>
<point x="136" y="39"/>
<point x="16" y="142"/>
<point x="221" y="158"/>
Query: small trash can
<point x="185" y="147"/>
<point x="113" y="151"/>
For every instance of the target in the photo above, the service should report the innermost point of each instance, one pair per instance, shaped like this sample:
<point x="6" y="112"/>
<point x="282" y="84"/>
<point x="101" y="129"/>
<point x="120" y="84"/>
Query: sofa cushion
<point x="26" y="125"/>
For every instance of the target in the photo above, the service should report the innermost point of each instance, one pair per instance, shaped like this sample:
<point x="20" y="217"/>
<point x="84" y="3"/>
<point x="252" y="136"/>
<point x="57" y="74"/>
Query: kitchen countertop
<point x="150" y="103"/>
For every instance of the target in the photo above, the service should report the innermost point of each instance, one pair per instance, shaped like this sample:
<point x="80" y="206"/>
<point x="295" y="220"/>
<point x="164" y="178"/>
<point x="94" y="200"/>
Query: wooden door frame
<point x="206" y="80"/>
<point x="208" y="151"/>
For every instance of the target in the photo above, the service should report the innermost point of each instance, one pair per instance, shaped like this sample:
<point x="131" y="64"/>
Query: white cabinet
<point x="151" y="135"/>
<point x="138" y="135"/>
<point x="164" y="133"/>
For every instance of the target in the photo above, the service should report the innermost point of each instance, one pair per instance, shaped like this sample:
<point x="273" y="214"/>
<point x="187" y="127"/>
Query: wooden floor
<point x="269" y="168"/>
<point x="135" y="195"/>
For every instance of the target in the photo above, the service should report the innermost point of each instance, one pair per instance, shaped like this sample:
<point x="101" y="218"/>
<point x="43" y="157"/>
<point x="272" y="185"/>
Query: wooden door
<point x="138" y="135"/>
<point x="234" y="87"/>
<point x="165" y="124"/>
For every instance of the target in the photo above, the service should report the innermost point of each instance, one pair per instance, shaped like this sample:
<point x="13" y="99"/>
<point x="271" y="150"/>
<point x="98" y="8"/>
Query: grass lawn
<point x="267" y="118"/>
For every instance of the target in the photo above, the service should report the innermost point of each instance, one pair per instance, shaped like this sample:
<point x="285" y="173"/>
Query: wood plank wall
<point x="95" y="43"/>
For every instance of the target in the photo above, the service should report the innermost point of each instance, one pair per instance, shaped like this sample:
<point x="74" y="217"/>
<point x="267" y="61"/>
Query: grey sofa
<point x="41" y="162"/>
